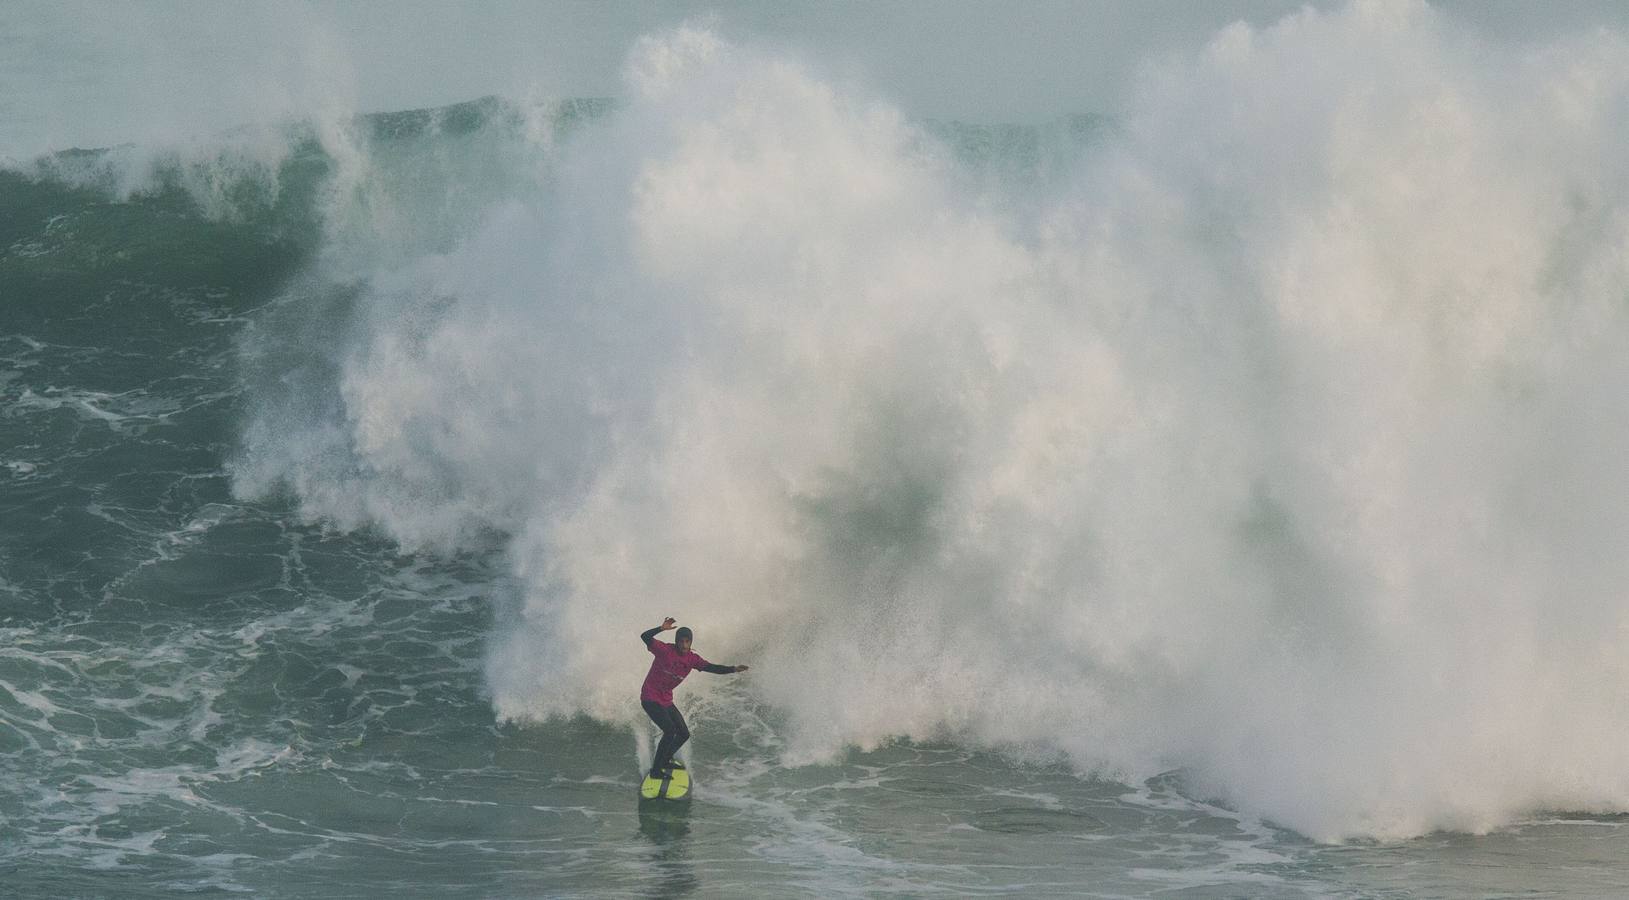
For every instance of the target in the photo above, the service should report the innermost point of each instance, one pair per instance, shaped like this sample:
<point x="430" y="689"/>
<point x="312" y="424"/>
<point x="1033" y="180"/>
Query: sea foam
<point x="1281" y="445"/>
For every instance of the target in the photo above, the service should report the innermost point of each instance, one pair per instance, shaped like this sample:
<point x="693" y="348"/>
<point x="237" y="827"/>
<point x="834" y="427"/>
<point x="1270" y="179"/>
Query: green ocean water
<point x="208" y="690"/>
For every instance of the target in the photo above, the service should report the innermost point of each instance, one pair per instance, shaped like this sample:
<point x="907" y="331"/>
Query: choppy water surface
<point x="1220" y="500"/>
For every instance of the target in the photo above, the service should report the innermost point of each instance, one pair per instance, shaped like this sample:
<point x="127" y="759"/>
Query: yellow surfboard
<point x="675" y="785"/>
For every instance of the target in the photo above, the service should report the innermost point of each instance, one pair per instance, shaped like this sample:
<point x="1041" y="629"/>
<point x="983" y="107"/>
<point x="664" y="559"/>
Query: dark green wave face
<point x="182" y="672"/>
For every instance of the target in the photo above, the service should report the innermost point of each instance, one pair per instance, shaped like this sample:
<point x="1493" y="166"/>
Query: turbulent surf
<point x="1139" y="502"/>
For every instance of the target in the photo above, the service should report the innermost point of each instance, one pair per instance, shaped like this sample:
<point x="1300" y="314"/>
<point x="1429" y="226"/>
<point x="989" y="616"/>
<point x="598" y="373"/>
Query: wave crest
<point x="1280" y="444"/>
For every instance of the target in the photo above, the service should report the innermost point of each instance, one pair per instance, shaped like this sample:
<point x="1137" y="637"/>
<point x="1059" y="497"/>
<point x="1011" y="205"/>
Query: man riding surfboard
<point x="672" y="664"/>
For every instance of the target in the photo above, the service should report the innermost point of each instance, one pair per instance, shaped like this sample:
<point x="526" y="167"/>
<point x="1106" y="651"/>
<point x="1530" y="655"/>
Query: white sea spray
<point x="1283" y="447"/>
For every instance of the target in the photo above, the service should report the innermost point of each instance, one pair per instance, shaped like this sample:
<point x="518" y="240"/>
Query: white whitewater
<point x="1281" y="444"/>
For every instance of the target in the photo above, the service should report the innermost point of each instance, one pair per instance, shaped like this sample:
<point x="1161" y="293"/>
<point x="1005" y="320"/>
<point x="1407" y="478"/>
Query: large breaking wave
<point x="1275" y="434"/>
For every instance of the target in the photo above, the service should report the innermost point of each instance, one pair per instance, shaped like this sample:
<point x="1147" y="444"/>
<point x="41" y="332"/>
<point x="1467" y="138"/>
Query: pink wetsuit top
<point x="666" y="671"/>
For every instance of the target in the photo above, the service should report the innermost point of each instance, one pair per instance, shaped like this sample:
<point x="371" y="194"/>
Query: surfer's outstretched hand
<point x="742" y="668"/>
<point x="667" y="623"/>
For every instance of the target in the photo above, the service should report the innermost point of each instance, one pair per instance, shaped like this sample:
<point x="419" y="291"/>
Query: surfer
<point x="673" y="662"/>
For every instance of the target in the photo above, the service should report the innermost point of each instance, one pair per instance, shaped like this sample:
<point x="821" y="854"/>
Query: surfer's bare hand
<point x="741" y="668"/>
<point x="667" y="623"/>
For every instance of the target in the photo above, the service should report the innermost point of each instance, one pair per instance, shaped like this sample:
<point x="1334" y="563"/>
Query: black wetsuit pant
<point x="674" y="732"/>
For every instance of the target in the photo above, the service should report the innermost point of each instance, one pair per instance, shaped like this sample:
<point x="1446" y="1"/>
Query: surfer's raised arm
<point x="667" y="624"/>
